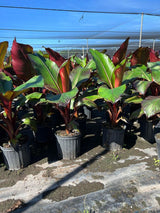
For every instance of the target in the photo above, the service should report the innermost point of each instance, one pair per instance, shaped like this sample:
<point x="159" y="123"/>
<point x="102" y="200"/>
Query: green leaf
<point x="34" y="95"/>
<point x="49" y="71"/>
<point x="151" y="105"/>
<point x="137" y="72"/>
<point x="134" y="99"/>
<point x="105" y="67"/>
<point x="62" y="99"/>
<point x="78" y="76"/>
<point x="36" y="81"/>
<point x="5" y="83"/>
<point x="142" y="86"/>
<point x="81" y="62"/>
<point x="112" y="95"/>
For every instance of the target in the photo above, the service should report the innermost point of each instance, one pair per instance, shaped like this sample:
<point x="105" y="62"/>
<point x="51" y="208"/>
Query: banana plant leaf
<point x="105" y="67"/>
<point x="5" y="83"/>
<point x="112" y="95"/>
<point x="61" y="99"/>
<point x="55" y="57"/>
<point x="120" y="53"/>
<point x="142" y="86"/>
<point x="138" y="72"/>
<point x="79" y="75"/>
<point x="3" y="51"/>
<point x="140" y="56"/>
<point x="151" y="105"/>
<point x="36" y="81"/>
<point x="134" y="99"/>
<point x="21" y="64"/>
<point x="82" y="62"/>
<point x="49" y="71"/>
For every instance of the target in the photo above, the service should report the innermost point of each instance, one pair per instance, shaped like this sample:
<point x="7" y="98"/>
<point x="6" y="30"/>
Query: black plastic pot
<point x="16" y="158"/>
<point x="68" y="146"/>
<point x="113" y="139"/>
<point x="82" y="124"/>
<point x="147" y="130"/>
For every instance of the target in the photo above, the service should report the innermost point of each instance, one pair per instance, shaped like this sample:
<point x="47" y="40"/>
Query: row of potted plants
<point x="36" y="81"/>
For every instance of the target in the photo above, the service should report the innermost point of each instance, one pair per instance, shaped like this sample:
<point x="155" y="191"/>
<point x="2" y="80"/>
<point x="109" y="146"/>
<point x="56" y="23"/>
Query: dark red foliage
<point x="20" y="61"/>
<point x="153" y="57"/>
<point x="120" y="53"/>
<point x="56" y="57"/>
<point x="140" y="56"/>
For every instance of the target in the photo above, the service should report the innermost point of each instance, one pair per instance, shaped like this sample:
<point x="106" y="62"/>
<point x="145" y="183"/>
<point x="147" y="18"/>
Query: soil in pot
<point x="68" y="146"/>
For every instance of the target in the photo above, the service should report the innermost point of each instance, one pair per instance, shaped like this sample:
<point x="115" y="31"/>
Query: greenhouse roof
<point x="67" y="25"/>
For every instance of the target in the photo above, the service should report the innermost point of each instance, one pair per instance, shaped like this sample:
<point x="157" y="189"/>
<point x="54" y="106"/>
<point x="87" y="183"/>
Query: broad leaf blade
<point x="105" y="67"/>
<point x="20" y="61"/>
<point x="140" y="56"/>
<point x="55" y="57"/>
<point x="120" y="53"/>
<point x="112" y="95"/>
<point x="137" y="72"/>
<point x="79" y="75"/>
<point x="151" y="105"/>
<point x="142" y="86"/>
<point x="36" y="81"/>
<point x="152" y="56"/>
<point x="62" y="99"/>
<point x="49" y="71"/>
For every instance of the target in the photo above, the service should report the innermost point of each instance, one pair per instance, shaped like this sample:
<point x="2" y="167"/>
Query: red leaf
<point x="20" y="61"/>
<point x="65" y="79"/>
<point x="56" y="57"/>
<point x="140" y="56"/>
<point x="153" y="56"/>
<point x="121" y="53"/>
<point x="119" y="75"/>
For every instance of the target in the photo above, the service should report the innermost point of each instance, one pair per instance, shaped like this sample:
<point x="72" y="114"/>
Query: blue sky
<point x="68" y="21"/>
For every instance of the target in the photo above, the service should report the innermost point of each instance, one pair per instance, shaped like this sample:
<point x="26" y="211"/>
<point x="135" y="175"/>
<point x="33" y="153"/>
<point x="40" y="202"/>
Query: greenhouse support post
<point x="87" y="45"/>
<point x="140" y="36"/>
<point x="154" y="41"/>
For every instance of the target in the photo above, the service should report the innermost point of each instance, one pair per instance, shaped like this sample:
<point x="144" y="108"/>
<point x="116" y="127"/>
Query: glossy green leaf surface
<point x="137" y="72"/>
<point x="36" y="81"/>
<point x="112" y="95"/>
<point x="151" y="105"/>
<point x="34" y="95"/>
<point x="62" y="99"/>
<point x="142" y="86"/>
<point x="105" y="67"/>
<point x="78" y="76"/>
<point x="49" y="71"/>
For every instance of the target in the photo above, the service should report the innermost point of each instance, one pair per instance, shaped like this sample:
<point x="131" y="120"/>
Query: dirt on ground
<point x="94" y="160"/>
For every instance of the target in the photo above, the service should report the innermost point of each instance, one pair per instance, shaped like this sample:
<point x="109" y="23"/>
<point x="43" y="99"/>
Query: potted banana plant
<point x="112" y="89"/>
<point x="63" y="83"/>
<point x="16" y="150"/>
<point x="145" y="78"/>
